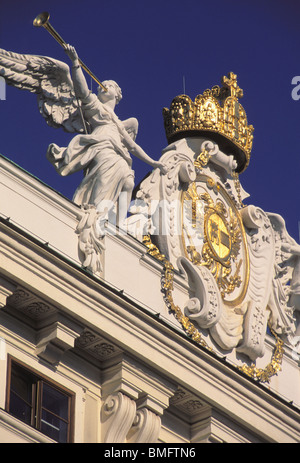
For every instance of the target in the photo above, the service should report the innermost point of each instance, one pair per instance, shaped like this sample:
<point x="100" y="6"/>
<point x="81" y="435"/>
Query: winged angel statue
<point x="101" y="147"/>
<point x="103" y="142"/>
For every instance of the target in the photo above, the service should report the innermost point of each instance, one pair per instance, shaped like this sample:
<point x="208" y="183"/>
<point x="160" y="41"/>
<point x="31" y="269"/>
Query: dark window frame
<point x="37" y="391"/>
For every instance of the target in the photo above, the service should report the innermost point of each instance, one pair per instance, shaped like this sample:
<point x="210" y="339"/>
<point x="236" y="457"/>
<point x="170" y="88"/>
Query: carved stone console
<point x="133" y="401"/>
<point x="117" y="415"/>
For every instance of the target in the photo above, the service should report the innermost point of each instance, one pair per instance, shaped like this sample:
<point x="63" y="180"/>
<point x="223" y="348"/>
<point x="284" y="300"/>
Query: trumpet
<point x="43" y="20"/>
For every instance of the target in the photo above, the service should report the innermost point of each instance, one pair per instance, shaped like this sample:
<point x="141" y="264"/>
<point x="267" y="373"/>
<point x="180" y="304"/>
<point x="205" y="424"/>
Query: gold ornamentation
<point x="152" y="249"/>
<point x="220" y="227"/>
<point x="202" y="159"/>
<point x="223" y="240"/>
<point x="262" y="375"/>
<point x="167" y="288"/>
<point x="217" y="111"/>
<point x="237" y="185"/>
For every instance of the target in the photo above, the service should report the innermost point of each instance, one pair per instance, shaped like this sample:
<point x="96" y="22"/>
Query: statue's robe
<point x="101" y="154"/>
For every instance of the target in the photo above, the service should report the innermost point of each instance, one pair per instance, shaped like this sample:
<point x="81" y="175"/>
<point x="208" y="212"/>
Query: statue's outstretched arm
<point x="79" y="81"/>
<point x="137" y="151"/>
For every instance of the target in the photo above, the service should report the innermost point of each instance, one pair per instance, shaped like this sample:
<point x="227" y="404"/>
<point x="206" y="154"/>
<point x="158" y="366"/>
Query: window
<point x="39" y="402"/>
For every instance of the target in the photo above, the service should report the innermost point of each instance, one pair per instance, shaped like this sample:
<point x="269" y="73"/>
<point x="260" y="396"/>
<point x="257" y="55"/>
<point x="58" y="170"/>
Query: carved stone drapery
<point x="90" y="240"/>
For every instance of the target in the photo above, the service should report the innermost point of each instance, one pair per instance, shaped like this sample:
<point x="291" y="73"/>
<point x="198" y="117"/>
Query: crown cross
<point x="230" y="82"/>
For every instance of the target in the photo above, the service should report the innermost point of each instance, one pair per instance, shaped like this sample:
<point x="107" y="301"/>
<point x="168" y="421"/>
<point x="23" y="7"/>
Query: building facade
<point x="88" y="358"/>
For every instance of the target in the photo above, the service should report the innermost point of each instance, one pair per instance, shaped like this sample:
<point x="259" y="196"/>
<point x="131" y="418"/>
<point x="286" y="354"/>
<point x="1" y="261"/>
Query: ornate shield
<point x="213" y="235"/>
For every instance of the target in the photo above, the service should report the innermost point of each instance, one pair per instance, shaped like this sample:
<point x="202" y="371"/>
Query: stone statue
<point x="101" y="148"/>
<point x="104" y="152"/>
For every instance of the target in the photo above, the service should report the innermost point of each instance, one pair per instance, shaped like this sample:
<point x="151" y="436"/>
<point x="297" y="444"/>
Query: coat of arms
<point x="213" y="235"/>
<point x="236" y="258"/>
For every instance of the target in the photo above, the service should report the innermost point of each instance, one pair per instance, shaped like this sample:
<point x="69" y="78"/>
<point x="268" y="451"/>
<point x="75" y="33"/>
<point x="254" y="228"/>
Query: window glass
<point x="53" y="427"/>
<point x="19" y="408"/>
<point x="22" y="386"/>
<point x="39" y="404"/>
<point x="55" y="411"/>
<point x="55" y="401"/>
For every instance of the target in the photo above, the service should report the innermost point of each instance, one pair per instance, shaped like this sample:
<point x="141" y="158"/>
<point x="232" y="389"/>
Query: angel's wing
<point x="51" y="81"/>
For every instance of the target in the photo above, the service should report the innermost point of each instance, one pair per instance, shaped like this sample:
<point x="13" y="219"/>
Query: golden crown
<point x="217" y="112"/>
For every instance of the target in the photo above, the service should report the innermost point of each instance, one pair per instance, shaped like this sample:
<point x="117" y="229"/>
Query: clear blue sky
<point x="148" y="47"/>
